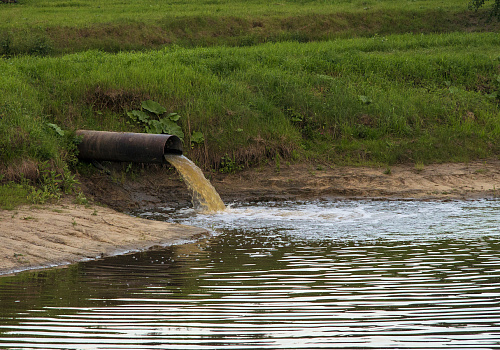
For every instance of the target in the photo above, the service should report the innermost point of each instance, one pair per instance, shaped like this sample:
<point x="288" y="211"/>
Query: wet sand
<point x="36" y="237"/>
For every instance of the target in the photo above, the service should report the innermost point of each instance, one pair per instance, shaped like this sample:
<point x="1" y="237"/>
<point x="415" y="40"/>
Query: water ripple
<point x="371" y="275"/>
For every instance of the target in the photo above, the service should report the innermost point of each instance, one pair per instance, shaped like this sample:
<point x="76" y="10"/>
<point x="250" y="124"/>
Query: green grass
<point x="12" y="195"/>
<point x="81" y="13"/>
<point x="251" y="103"/>
<point x="59" y="27"/>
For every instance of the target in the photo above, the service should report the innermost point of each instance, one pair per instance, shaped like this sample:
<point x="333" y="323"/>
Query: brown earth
<point x="304" y="181"/>
<point x="64" y="233"/>
<point x="35" y="237"/>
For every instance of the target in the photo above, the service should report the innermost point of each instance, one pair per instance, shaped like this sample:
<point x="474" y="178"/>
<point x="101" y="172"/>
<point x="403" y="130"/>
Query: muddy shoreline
<point x="154" y="187"/>
<point x="59" y="234"/>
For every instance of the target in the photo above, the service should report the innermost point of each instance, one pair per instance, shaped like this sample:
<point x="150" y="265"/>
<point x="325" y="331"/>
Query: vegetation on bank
<point x="370" y="99"/>
<point x="47" y="27"/>
<point x="495" y="8"/>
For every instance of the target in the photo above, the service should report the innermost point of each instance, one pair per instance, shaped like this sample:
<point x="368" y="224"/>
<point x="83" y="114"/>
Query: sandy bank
<point x="479" y="179"/>
<point x="55" y="235"/>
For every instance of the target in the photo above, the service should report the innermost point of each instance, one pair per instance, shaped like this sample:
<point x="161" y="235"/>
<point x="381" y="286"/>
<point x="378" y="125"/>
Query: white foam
<point x="360" y="220"/>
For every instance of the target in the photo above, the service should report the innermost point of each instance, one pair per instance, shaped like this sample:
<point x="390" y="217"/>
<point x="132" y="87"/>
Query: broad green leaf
<point x="154" y="127"/>
<point x="153" y="107"/>
<point x="138" y="116"/>
<point x="56" y="128"/>
<point x="174" y="117"/>
<point x="323" y="76"/>
<point x="365" y="99"/>
<point x="171" y="128"/>
<point x="197" y="137"/>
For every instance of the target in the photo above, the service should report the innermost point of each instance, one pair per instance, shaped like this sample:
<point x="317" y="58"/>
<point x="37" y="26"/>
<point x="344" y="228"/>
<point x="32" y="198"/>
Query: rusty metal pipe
<point x="127" y="146"/>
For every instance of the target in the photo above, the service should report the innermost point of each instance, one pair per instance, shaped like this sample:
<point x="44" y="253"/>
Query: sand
<point x="35" y="237"/>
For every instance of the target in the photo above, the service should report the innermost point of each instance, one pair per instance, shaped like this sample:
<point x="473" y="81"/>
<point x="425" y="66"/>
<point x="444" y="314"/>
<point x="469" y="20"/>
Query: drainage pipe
<point x="127" y="146"/>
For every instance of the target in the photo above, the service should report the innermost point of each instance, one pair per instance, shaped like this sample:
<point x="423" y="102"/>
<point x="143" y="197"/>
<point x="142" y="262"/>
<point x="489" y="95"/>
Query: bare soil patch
<point x="305" y="181"/>
<point x="65" y="233"/>
<point x="437" y="181"/>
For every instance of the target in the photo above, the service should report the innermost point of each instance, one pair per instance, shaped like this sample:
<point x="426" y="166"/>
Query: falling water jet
<point x="204" y="195"/>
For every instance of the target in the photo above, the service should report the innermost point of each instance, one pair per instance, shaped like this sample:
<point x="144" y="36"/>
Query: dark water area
<point x="309" y="275"/>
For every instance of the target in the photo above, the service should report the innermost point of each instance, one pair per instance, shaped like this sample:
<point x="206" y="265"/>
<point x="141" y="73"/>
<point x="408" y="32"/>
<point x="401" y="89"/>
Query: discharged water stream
<point x="203" y="193"/>
<point x="290" y="275"/>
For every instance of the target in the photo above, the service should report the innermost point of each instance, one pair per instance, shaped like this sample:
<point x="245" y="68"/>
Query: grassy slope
<point x="57" y="27"/>
<point x="381" y="99"/>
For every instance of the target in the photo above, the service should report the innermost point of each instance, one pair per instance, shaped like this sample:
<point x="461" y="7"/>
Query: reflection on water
<point x="351" y="274"/>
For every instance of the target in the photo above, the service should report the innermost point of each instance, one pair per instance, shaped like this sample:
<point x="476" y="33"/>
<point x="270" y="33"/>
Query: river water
<point x="289" y="275"/>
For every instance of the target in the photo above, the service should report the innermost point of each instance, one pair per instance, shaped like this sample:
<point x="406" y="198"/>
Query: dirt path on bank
<point x="34" y="237"/>
<point x="437" y="181"/>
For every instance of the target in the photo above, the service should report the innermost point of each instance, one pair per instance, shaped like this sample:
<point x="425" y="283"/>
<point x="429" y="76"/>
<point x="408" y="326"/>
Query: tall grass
<point x="50" y="13"/>
<point x="60" y="27"/>
<point x="379" y="100"/>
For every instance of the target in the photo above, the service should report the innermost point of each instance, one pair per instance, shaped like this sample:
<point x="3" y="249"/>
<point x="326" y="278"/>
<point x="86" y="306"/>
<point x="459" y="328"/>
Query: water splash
<point x="204" y="195"/>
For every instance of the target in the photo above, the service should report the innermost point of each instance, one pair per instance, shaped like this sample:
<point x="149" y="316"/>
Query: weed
<point x="163" y="124"/>
<point x="228" y="165"/>
<point x="277" y="161"/>
<point x="129" y="167"/>
<point x="5" y="45"/>
<point x="81" y="199"/>
<point x="481" y="171"/>
<point x="21" y="258"/>
<point x="419" y="167"/>
<point x="41" y="196"/>
<point x="197" y="138"/>
<point x="40" y="46"/>
<point x="495" y="94"/>
<point x="365" y="99"/>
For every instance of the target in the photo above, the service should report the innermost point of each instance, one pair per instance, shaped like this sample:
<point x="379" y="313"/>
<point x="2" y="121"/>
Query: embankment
<point x="305" y="181"/>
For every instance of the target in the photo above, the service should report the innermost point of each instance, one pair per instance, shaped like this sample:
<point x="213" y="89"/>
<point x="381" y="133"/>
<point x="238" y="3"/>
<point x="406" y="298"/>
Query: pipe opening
<point x="173" y="145"/>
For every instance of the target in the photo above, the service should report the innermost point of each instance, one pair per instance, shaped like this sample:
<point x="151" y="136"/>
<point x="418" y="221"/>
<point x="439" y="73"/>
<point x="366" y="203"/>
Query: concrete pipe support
<point x="126" y="146"/>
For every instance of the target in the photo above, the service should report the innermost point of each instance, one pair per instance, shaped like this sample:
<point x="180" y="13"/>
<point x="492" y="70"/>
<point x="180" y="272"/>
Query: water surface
<point x="309" y="275"/>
